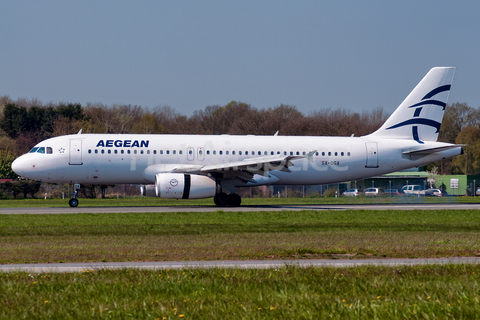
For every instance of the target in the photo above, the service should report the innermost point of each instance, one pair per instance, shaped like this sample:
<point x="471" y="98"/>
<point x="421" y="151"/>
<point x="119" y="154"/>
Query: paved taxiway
<point x="241" y="264"/>
<point x="397" y="206"/>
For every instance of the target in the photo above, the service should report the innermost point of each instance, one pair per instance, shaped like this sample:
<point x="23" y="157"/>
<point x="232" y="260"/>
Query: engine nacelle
<point x="184" y="186"/>
<point x="148" y="190"/>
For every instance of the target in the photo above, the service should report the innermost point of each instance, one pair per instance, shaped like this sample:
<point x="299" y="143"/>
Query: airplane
<point x="204" y="166"/>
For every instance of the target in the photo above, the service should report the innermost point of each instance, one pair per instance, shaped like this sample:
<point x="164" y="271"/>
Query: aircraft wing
<point x="245" y="169"/>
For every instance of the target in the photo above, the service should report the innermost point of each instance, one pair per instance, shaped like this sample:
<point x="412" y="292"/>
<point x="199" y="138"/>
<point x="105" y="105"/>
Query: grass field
<point x="143" y="201"/>
<point x="238" y="235"/>
<point x="421" y="292"/>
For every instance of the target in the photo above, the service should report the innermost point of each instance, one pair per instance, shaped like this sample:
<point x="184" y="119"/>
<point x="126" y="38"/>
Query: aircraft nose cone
<point x="19" y="166"/>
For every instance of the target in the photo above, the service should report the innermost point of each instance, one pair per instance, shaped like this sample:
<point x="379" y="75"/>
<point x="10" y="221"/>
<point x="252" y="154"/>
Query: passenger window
<point x="304" y="153"/>
<point x="128" y="151"/>
<point x="141" y="151"/>
<point x="284" y="153"/>
<point x="148" y="151"/>
<point x="246" y="153"/>
<point x="115" y="151"/>
<point x="298" y="153"/>
<point x="220" y="152"/>
<point x="336" y="154"/>
<point x="342" y="154"/>
<point x="49" y="150"/>
<point x="316" y="153"/>
<point x="121" y="151"/>
<point x="239" y="153"/>
<point x="190" y="152"/>
<point x="278" y="152"/>
<point x="103" y="151"/>
<point x="174" y="151"/>
<point x="323" y="154"/>
<point x="89" y="150"/>
<point x="233" y="152"/>
<point x="179" y="151"/>
<point x="154" y="151"/>
<point x="226" y="152"/>
<point x="291" y="153"/>
<point x="109" y="151"/>
<point x="214" y="152"/>
<point x="259" y="153"/>
<point x="348" y="154"/>
<point x="34" y="150"/>
<point x="168" y="152"/>
<point x="135" y="151"/>
<point x="200" y="152"/>
<point x="96" y="151"/>
<point x="161" y="151"/>
<point x="41" y="150"/>
<point x="208" y="151"/>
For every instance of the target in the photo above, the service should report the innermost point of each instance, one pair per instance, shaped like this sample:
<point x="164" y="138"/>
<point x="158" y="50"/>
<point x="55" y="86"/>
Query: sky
<point x="356" y="55"/>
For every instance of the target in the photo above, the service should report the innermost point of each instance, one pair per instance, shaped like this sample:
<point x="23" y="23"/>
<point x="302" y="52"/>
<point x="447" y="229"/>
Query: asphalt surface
<point x="80" y="209"/>
<point x="240" y="264"/>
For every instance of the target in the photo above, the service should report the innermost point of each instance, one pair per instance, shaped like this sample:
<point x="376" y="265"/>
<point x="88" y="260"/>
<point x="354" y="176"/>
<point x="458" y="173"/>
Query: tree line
<point x="23" y="123"/>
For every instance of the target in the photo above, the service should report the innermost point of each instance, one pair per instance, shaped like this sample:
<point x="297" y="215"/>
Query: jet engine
<point x="148" y="190"/>
<point x="183" y="186"/>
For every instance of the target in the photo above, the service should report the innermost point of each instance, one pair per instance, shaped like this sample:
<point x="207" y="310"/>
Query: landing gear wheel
<point x="221" y="199"/>
<point x="73" y="202"/>
<point x="234" y="200"/>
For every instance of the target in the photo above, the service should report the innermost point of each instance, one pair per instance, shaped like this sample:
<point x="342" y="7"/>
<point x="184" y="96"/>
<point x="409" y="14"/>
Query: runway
<point x="240" y="264"/>
<point x="68" y="210"/>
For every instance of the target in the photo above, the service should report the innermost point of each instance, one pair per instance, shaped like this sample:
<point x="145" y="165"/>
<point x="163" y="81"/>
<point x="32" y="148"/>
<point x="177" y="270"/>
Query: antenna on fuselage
<point x="276" y="133"/>
<point x="80" y="132"/>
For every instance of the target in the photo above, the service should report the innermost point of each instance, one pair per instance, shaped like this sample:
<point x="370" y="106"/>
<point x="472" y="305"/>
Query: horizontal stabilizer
<point x="425" y="152"/>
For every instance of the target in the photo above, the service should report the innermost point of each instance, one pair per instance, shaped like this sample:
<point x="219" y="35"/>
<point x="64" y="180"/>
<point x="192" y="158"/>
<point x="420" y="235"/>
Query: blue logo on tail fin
<point x="423" y="121"/>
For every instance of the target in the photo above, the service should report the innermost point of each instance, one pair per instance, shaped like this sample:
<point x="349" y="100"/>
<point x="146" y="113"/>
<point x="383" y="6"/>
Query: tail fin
<point x="419" y="116"/>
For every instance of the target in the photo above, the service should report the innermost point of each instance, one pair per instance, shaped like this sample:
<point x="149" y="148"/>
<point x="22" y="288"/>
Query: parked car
<point x="392" y="192"/>
<point x="433" y="193"/>
<point x="412" y="189"/>
<point x="351" y="193"/>
<point x="373" y="192"/>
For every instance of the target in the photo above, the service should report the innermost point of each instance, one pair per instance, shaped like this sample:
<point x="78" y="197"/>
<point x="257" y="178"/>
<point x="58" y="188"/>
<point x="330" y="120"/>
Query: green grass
<point x="142" y="201"/>
<point x="238" y="235"/>
<point x="420" y="292"/>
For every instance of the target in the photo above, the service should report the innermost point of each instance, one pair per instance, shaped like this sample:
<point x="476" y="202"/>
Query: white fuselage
<point x="118" y="159"/>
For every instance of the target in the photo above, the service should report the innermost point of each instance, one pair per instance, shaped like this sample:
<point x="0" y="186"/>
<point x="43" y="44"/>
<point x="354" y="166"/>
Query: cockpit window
<point x="34" y="150"/>
<point x="49" y="150"/>
<point x="41" y="150"/>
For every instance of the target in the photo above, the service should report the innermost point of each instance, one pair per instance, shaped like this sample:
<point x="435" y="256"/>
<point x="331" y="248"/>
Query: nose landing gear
<point x="74" y="201"/>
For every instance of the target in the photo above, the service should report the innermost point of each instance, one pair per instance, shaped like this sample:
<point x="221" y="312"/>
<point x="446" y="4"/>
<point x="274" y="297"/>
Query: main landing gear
<point x="231" y="200"/>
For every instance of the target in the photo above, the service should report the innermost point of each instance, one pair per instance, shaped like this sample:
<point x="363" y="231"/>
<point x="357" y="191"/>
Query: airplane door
<point x="372" y="155"/>
<point x="75" y="152"/>
<point x="190" y="155"/>
<point x="200" y="154"/>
